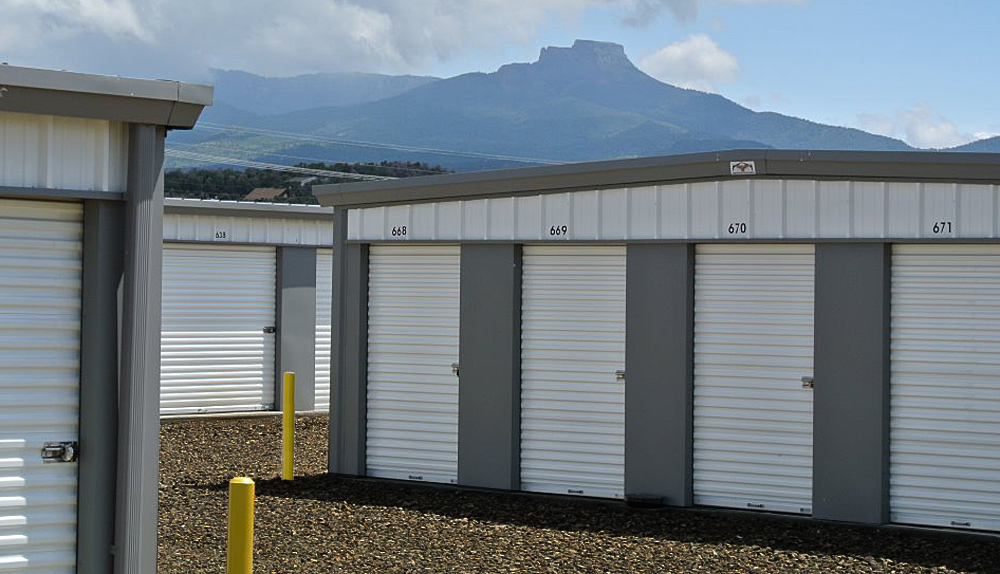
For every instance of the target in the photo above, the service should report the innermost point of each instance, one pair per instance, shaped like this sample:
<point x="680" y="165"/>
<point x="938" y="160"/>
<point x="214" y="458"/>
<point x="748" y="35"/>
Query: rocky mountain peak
<point x="587" y="54"/>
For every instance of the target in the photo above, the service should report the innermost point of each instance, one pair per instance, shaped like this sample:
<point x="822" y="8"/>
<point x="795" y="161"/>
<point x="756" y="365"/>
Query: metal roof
<point x="50" y="92"/>
<point x="839" y="165"/>
<point x="245" y="209"/>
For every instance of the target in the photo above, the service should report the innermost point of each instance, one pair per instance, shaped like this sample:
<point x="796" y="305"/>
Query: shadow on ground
<point x="961" y="552"/>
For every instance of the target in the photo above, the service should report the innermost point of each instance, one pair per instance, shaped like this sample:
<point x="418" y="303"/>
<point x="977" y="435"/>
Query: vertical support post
<point x="851" y="397"/>
<point x="139" y="393"/>
<point x="103" y="227"/>
<point x="659" y="360"/>
<point x="239" y="552"/>
<point x="348" y="353"/>
<point x="288" y="427"/>
<point x="296" y="299"/>
<point x="489" y="396"/>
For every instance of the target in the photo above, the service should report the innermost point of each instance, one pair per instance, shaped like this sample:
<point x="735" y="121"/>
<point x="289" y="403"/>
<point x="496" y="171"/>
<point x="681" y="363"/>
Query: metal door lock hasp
<point x="60" y="451"/>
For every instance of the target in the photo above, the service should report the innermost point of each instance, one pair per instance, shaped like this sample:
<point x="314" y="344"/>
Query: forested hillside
<point x="234" y="184"/>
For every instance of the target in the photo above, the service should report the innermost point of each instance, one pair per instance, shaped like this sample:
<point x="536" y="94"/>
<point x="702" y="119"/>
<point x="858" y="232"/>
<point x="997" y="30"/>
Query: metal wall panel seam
<point x="811" y="209"/>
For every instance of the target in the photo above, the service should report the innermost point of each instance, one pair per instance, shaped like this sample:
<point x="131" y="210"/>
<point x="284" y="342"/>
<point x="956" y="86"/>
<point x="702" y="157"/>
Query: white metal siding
<point x="945" y="398"/>
<point x="217" y="300"/>
<point x="572" y="343"/>
<point x="726" y="209"/>
<point x="62" y="152"/>
<point x="40" y="285"/>
<point x="753" y="344"/>
<point x="324" y="298"/>
<point x="413" y="323"/>
<point x="269" y="230"/>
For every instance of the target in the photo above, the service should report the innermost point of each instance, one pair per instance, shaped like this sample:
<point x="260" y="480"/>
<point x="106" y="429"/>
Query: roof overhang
<point x="214" y="207"/>
<point x="799" y="164"/>
<point x="167" y="103"/>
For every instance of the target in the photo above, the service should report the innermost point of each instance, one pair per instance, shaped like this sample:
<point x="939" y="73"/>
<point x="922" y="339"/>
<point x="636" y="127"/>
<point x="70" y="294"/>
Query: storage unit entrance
<point x="753" y="338"/>
<point x="573" y="370"/>
<point x="412" y="395"/>
<point x="217" y="346"/>
<point x="41" y="252"/>
<point x="945" y="455"/>
<point x="782" y="331"/>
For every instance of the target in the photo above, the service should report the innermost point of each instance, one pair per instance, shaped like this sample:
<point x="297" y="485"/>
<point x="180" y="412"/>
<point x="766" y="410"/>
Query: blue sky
<point x="919" y="70"/>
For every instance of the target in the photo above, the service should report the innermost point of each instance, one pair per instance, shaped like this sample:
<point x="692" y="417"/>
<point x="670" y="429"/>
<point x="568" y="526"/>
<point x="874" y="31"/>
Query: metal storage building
<point x="790" y="331"/>
<point x="240" y="305"/>
<point x="81" y="202"/>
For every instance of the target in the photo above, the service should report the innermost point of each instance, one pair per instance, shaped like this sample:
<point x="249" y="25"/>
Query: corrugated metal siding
<point x="261" y="230"/>
<point x="728" y="209"/>
<point x="215" y="353"/>
<point x="753" y="344"/>
<point x="413" y="323"/>
<point x="572" y="342"/>
<point x="324" y="298"/>
<point x="945" y="381"/>
<point x="61" y="152"/>
<point x="40" y="288"/>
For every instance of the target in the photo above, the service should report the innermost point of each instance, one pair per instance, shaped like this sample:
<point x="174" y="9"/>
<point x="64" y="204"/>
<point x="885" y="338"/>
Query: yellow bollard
<point x="240" y="552"/>
<point x="288" y="427"/>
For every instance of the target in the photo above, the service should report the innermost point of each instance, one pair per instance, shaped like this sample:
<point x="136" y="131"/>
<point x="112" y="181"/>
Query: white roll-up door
<point x="945" y="386"/>
<point x="217" y="348"/>
<point x="40" y="285"/>
<point x="413" y="322"/>
<point x="572" y="349"/>
<point x="753" y="344"/>
<point x="324" y="298"/>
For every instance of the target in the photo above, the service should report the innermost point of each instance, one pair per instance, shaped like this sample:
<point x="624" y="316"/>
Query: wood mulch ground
<point x="326" y="524"/>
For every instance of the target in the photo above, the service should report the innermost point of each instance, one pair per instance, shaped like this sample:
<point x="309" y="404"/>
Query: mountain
<point x="986" y="145"/>
<point x="265" y="96"/>
<point x="585" y="102"/>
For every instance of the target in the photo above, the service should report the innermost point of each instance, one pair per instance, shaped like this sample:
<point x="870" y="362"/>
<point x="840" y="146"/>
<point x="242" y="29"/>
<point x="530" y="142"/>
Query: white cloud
<point x="696" y="62"/>
<point x="919" y="126"/>
<point x="171" y="37"/>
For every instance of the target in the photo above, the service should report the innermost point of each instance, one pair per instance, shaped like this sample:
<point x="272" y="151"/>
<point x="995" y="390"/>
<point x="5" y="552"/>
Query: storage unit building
<point x="240" y="306"/>
<point x="81" y="161"/>
<point x="787" y="331"/>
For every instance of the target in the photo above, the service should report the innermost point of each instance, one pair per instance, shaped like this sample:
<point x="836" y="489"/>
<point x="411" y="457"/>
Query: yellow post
<point x="240" y="552"/>
<point x="288" y="428"/>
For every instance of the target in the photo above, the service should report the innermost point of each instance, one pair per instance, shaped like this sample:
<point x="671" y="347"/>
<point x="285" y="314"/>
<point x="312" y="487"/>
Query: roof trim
<point x="214" y="207"/>
<point x="841" y="165"/>
<point x="49" y="92"/>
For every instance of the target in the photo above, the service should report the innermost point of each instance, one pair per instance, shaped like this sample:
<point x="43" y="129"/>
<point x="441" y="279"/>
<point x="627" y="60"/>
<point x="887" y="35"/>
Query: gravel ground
<point x="326" y="524"/>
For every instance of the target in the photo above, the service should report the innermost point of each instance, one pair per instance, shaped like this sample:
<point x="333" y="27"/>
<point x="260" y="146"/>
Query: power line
<point x="360" y="143"/>
<point x="181" y="154"/>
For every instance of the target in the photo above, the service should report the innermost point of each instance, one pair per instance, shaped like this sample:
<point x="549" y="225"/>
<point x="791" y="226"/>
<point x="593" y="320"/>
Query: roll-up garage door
<point x="945" y="386"/>
<point x="217" y="348"/>
<point x="324" y="298"/>
<point x="413" y="322"/>
<point x="572" y="356"/>
<point x="40" y="285"/>
<point x="753" y="345"/>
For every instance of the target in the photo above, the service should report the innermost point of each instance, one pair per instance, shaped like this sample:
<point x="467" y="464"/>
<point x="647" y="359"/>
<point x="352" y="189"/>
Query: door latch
<point x="270" y="330"/>
<point x="60" y="451"/>
<point x="808" y="383"/>
<point x="620" y="375"/>
<point x="454" y="369"/>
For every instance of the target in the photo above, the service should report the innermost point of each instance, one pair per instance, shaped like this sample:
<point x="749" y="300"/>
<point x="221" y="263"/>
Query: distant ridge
<point x="584" y="102"/>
